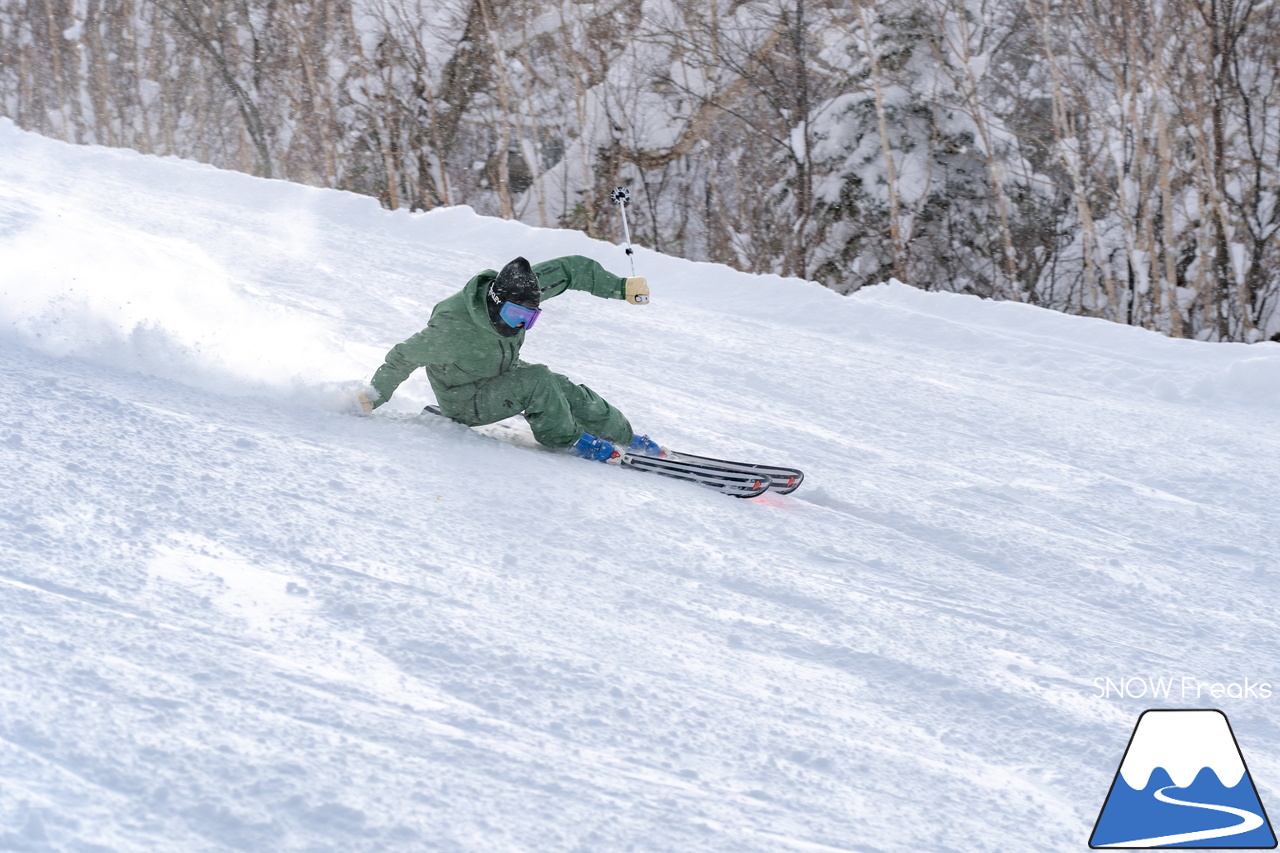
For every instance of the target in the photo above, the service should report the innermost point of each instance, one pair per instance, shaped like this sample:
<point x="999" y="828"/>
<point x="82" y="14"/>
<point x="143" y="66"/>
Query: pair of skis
<point x="737" y="479"/>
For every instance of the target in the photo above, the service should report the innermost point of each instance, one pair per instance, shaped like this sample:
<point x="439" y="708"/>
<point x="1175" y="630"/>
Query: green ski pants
<point x="558" y="410"/>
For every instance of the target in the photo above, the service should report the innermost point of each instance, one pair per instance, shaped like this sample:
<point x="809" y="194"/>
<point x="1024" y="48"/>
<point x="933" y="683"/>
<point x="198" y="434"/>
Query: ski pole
<point x="621" y="196"/>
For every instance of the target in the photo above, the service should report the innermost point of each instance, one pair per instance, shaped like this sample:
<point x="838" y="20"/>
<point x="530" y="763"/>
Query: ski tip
<point x="789" y="485"/>
<point x="754" y="489"/>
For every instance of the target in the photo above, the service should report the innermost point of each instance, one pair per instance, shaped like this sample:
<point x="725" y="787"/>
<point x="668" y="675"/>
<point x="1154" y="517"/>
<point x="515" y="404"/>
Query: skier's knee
<point x="540" y="372"/>
<point x="538" y="378"/>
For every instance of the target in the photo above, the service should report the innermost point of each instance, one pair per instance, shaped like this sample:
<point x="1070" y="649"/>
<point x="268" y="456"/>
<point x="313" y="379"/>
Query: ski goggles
<point x="515" y="314"/>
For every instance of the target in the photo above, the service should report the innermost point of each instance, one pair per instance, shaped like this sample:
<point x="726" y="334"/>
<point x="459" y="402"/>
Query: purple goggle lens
<point x="515" y="314"/>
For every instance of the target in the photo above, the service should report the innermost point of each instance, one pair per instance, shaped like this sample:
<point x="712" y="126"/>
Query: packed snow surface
<point x="234" y="617"/>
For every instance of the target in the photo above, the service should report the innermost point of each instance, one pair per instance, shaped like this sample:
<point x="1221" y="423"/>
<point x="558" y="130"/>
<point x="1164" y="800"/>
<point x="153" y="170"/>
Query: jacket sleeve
<point x="576" y="272"/>
<point x="404" y="358"/>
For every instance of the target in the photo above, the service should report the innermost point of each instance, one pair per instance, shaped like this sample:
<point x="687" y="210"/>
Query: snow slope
<point x="233" y="618"/>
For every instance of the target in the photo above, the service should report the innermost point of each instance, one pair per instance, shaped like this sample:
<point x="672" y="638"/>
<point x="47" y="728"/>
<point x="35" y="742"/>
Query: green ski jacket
<point x="460" y="347"/>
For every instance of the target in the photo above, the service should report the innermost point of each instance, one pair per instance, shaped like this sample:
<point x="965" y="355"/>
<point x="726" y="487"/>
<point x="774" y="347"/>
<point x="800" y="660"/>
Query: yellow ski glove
<point x="637" y="291"/>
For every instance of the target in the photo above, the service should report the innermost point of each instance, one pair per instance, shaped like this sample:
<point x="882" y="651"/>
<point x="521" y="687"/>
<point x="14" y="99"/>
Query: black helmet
<point x="516" y="283"/>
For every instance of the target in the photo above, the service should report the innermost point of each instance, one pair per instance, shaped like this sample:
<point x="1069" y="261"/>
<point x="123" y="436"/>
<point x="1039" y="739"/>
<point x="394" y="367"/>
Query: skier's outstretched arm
<point x="576" y="272"/>
<point x="403" y="359"/>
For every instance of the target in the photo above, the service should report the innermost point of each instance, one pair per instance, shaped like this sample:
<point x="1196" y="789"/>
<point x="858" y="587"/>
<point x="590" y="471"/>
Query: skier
<point x="471" y="351"/>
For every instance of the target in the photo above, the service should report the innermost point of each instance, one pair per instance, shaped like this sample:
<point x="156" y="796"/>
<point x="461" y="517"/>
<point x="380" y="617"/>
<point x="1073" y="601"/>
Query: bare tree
<point x="214" y="29"/>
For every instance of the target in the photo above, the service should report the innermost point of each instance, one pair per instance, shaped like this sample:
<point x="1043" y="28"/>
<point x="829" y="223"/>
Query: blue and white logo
<point x="1183" y="783"/>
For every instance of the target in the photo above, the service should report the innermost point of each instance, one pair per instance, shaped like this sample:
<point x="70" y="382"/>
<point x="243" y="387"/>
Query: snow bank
<point x="230" y="283"/>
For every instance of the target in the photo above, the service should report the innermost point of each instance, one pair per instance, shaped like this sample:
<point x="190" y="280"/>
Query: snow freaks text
<point x="1179" y="687"/>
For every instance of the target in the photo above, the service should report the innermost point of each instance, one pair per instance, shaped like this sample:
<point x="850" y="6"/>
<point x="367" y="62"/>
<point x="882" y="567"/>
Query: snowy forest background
<point x="1116" y="159"/>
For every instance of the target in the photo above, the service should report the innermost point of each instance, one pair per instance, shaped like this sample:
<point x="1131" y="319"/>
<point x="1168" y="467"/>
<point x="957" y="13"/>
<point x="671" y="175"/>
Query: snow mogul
<point x="471" y="351"/>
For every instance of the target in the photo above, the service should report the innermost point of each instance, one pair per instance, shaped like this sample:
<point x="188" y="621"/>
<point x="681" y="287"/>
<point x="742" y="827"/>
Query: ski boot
<point x="589" y="447"/>
<point x="642" y="445"/>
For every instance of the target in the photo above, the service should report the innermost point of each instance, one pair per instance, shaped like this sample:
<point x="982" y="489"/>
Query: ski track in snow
<point x="236" y="619"/>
